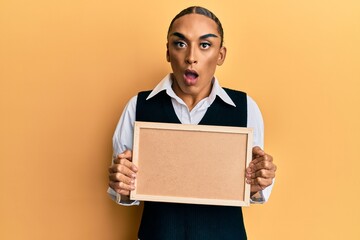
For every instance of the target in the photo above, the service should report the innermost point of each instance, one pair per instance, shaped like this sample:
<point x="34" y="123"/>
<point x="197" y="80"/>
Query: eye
<point x="205" y="45"/>
<point x="180" y="44"/>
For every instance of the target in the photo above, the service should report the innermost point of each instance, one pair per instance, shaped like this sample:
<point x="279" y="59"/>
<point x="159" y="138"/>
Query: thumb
<point x="126" y="154"/>
<point x="257" y="152"/>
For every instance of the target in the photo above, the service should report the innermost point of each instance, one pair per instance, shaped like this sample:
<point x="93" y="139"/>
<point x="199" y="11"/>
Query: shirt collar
<point x="217" y="90"/>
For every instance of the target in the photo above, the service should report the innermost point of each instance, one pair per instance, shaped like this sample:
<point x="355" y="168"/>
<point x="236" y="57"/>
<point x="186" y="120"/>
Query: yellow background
<point x="67" y="69"/>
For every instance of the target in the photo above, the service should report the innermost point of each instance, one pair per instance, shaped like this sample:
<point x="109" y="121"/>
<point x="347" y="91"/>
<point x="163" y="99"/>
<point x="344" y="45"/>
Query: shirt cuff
<point x="116" y="197"/>
<point x="262" y="196"/>
<point x="257" y="198"/>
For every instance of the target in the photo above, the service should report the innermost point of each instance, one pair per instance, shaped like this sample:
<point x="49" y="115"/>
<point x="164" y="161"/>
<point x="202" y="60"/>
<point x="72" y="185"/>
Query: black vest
<point x="173" y="221"/>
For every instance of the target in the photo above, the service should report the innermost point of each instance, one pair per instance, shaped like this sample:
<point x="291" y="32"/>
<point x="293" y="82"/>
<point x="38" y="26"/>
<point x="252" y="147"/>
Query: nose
<point x="191" y="56"/>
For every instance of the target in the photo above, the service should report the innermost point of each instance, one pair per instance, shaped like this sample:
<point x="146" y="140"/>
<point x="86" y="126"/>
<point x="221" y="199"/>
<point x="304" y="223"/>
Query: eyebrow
<point x="182" y="36"/>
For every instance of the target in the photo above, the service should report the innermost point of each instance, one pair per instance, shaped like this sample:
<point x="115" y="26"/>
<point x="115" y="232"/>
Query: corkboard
<point x="192" y="163"/>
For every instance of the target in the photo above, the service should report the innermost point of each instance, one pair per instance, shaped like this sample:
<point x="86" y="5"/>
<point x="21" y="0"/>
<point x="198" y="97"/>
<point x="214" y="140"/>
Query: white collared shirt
<point x="123" y="136"/>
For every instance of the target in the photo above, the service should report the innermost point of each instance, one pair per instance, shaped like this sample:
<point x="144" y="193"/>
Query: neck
<point x="193" y="96"/>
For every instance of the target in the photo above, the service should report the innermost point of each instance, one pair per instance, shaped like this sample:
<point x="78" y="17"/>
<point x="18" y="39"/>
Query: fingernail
<point x="133" y="175"/>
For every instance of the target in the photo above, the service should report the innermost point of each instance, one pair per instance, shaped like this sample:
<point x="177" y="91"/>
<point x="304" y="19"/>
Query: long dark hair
<point x="201" y="11"/>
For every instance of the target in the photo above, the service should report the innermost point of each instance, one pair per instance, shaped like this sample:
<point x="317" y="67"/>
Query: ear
<point x="167" y="52"/>
<point x="222" y="56"/>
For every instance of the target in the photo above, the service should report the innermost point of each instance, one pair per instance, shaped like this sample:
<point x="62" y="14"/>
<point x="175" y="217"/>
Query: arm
<point x="122" y="141"/>
<point x="261" y="172"/>
<point x="122" y="174"/>
<point x="260" y="193"/>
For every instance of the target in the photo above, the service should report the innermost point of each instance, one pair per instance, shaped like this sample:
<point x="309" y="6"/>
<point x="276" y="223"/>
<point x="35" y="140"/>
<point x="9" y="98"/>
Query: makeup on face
<point x="194" y="51"/>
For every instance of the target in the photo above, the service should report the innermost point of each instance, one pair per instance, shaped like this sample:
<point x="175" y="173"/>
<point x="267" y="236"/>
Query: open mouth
<point x="191" y="75"/>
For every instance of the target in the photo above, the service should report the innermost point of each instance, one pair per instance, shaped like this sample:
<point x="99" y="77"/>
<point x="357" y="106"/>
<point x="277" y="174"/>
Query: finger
<point x="128" y="164"/>
<point x="118" y="186"/>
<point x="117" y="159"/>
<point x="126" y="154"/>
<point x="117" y="168"/>
<point x="257" y="151"/>
<point x="263" y="173"/>
<point x="260" y="183"/>
<point x="124" y="192"/>
<point x="118" y="177"/>
<point x="126" y="171"/>
<point x="265" y="157"/>
<point x="262" y="165"/>
<point x="125" y="158"/>
<point x="119" y="190"/>
<point x="254" y="167"/>
<point x="256" y="188"/>
<point x="125" y="186"/>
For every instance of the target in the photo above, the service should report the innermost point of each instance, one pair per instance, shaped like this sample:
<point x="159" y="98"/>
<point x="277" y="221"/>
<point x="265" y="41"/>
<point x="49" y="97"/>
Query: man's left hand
<point x="261" y="171"/>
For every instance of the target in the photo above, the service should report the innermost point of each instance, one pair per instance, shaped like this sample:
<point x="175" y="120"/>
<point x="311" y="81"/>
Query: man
<point x="191" y="95"/>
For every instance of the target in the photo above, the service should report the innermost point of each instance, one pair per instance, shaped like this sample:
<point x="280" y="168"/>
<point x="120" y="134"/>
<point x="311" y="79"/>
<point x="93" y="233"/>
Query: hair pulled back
<point x="201" y="11"/>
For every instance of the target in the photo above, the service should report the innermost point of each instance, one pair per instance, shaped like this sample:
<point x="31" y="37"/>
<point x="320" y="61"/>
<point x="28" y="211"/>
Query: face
<point x="194" y="51"/>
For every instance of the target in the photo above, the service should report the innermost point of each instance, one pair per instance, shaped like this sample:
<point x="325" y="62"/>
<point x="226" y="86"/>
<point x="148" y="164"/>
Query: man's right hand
<point x="122" y="173"/>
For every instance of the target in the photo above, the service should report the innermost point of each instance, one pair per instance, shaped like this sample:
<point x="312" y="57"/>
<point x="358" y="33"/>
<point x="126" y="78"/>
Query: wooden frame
<point x="195" y="164"/>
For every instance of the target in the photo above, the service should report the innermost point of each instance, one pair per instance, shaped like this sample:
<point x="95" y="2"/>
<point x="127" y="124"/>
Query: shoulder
<point x="231" y="96"/>
<point x="131" y="105"/>
<point x="233" y="91"/>
<point x="144" y="93"/>
<point x="236" y="94"/>
<point x="252" y="104"/>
